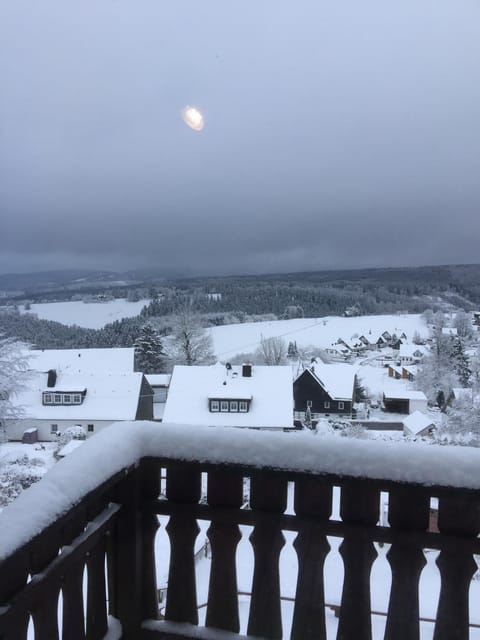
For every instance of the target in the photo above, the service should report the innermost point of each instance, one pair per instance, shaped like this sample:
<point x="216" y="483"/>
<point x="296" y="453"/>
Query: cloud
<point x="335" y="135"/>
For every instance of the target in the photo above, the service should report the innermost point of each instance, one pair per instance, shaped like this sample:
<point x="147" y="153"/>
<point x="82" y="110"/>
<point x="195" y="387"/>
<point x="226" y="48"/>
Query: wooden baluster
<point x="13" y="577"/>
<point x="225" y="490"/>
<point x="268" y="495"/>
<point x="123" y="548"/>
<point x="45" y="610"/>
<point x="183" y="487"/>
<point x="73" y="616"/>
<point x="408" y="510"/>
<point x="359" y="507"/>
<point x="150" y="478"/>
<point x="313" y="499"/>
<point x="97" y="623"/>
<point x="458" y="515"/>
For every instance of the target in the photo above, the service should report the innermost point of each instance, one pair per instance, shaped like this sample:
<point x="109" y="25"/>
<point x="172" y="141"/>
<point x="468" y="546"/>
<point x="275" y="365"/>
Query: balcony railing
<point x="96" y="513"/>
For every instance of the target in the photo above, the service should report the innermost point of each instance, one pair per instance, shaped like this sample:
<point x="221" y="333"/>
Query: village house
<point x="53" y="402"/>
<point x="323" y="389"/>
<point x="257" y="397"/>
<point x="410" y="354"/>
<point x="418" y="424"/>
<point x="399" y="399"/>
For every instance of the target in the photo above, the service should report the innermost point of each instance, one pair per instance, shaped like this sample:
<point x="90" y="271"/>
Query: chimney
<point x="52" y="378"/>
<point x="246" y="370"/>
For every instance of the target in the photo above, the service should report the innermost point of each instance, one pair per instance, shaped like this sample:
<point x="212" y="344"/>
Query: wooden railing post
<point x="408" y="510"/>
<point x="13" y="577"/>
<point x="224" y="490"/>
<point x="268" y="494"/>
<point x="183" y="488"/>
<point x="45" y="610"/>
<point x="313" y="499"/>
<point x="125" y="554"/>
<point x="359" y="508"/>
<point x="73" y="616"/>
<point x="460" y="516"/>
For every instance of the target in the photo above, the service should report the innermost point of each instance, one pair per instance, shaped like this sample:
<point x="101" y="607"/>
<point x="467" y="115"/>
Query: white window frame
<point x="326" y="404"/>
<point x="214" y="406"/>
<point x="47" y="398"/>
<point x="224" y="406"/>
<point x="243" y="406"/>
<point x="341" y="405"/>
<point x="53" y="429"/>
<point x="309" y="403"/>
<point x="90" y="428"/>
<point x="234" y="406"/>
<point x="67" y="398"/>
<point x="57" y="398"/>
<point x="77" y="398"/>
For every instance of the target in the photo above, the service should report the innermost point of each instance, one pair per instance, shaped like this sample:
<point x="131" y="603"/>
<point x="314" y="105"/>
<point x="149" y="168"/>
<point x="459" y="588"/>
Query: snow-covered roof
<point x="417" y="422"/>
<point x="411" y="351"/>
<point x="336" y="379"/>
<point x="118" y="360"/>
<point x="403" y="393"/>
<point x="109" y="396"/>
<point x="158" y="379"/>
<point x="269" y="389"/>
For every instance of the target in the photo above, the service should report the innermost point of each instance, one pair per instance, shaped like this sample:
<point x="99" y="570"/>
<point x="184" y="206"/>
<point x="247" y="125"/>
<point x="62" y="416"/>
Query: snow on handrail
<point x="123" y="444"/>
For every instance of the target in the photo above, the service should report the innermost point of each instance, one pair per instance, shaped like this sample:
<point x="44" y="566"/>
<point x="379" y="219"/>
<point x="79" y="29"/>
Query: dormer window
<point x="228" y="406"/>
<point x="63" y="397"/>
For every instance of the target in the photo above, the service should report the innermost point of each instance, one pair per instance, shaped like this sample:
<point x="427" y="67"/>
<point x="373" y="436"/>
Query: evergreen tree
<point x="149" y="353"/>
<point x="461" y="362"/>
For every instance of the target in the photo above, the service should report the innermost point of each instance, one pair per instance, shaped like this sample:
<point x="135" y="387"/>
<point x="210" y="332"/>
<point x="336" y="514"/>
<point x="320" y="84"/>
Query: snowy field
<point x="229" y="340"/>
<point x="90" y="315"/>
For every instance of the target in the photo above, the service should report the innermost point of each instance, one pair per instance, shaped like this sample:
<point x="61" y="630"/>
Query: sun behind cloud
<point x="193" y="118"/>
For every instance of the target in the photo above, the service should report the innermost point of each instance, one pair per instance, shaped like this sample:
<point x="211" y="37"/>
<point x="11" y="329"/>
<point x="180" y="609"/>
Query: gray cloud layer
<point x="337" y="134"/>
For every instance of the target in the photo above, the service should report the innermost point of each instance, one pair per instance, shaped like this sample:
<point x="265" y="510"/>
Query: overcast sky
<point x="337" y="134"/>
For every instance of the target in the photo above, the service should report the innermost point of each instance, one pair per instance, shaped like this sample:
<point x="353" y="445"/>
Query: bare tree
<point x="191" y="344"/>
<point x="272" y="350"/>
<point x="13" y="375"/>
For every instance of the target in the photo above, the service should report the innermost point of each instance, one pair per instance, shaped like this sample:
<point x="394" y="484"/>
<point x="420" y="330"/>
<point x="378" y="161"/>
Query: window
<point x="224" y="405"/>
<point x="243" y="406"/>
<point x="67" y="398"/>
<point x="326" y="404"/>
<point x="54" y="428"/>
<point x="57" y="398"/>
<point x="341" y="405"/>
<point x="77" y="398"/>
<point x="90" y="428"/>
<point x="234" y="406"/>
<point x="214" y="405"/>
<point x="309" y="403"/>
<point x="47" y="398"/>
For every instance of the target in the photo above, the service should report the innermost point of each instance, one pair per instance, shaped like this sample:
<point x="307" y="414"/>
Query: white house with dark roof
<point x="252" y="396"/>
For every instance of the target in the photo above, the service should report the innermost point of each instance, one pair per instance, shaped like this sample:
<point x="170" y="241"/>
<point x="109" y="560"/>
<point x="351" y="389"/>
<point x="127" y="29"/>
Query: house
<point x="257" y="397"/>
<point x="418" y="424"/>
<point x="159" y="383"/>
<point x="409" y="373"/>
<point x="459" y="394"/>
<point x="324" y="389"/>
<point x="368" y="342"/>
<point x="399" y="399"/>
<point x="53" y="402"/>
<point x="394" y="371"/>
<point x="410" y="354"/>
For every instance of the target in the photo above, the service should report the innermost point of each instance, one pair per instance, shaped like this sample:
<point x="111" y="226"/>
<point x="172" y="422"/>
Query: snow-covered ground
<point x="90" y="315"/>
<point x="228" y="340"/>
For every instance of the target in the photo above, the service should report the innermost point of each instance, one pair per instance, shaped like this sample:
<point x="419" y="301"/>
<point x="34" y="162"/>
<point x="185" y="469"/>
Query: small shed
<point x="418" y="424"/>
<point x="404" y="401"/>
<point x="30" y="436"/>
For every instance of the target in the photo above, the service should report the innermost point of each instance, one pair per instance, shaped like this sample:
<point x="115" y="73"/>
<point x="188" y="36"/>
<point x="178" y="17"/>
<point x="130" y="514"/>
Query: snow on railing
<point x="123" y="444"/>
<point x="103" y="501"/>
